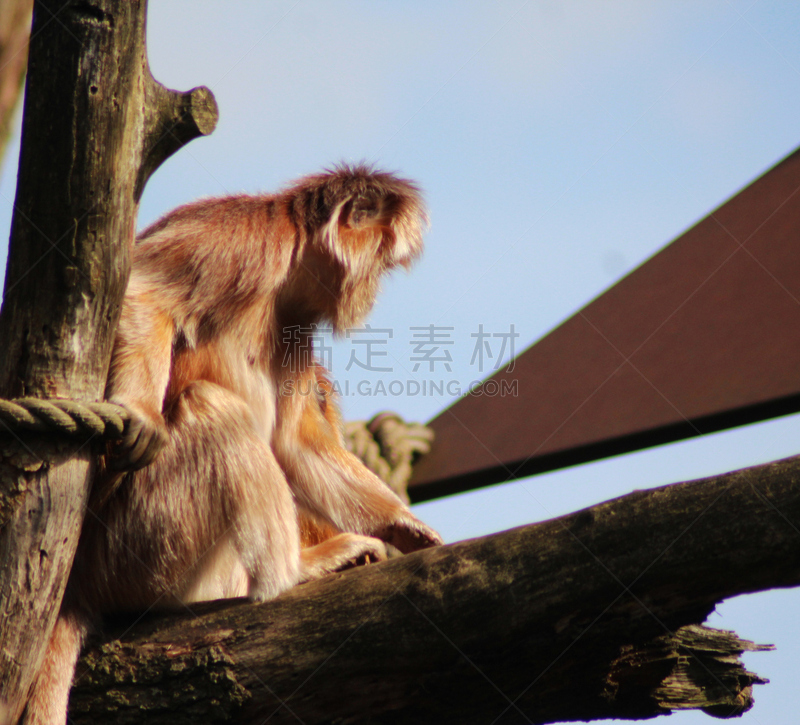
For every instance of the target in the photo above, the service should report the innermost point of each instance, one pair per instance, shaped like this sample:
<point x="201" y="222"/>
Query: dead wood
<point x="586" y="616"/>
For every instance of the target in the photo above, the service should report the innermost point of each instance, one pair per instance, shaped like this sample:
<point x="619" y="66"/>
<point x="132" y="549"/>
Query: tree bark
<point x="583" y="617"/>
<point x="95" y="126"/>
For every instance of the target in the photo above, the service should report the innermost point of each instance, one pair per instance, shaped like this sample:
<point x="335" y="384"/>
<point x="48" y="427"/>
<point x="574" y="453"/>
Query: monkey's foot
<point x="341" y="552"/>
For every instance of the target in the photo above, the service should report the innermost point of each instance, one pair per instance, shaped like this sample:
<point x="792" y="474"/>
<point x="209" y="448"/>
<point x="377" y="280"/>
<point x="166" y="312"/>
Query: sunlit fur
<point x="249" y="489"/>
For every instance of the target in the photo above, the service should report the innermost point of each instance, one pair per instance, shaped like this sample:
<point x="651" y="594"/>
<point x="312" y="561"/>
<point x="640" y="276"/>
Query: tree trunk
<point x="582" y="617"/>
<point x="95" y="126"/>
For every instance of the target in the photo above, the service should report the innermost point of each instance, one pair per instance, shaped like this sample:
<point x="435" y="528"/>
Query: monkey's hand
<point x="142" y="440"/>
<point x="408" y="534"/>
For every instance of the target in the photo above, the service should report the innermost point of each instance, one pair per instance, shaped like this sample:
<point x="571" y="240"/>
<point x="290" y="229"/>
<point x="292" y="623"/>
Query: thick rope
<point x="59" y="415"/>
<point x="387" y="446"/>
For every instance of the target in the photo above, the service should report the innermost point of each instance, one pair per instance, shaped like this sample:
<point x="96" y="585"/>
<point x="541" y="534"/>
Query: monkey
<point x="232" y="478"/>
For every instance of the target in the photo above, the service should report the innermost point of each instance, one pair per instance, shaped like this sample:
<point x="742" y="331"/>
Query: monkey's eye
<point x="362" y="211"/>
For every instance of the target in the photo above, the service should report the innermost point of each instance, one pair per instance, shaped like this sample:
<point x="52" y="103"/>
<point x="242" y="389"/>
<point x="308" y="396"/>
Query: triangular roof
<point x="703" y="336"/>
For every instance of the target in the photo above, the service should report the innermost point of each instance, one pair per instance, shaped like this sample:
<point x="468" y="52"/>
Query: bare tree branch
<point x="580" y="617"/>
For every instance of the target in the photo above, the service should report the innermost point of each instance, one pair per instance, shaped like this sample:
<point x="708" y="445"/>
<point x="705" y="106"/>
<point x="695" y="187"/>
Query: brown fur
<point x="237" y="478"/>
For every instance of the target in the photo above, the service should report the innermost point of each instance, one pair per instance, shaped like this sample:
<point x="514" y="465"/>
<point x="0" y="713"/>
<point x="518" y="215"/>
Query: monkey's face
<point x="358" y="225"/>
<point x="385" y="226"/>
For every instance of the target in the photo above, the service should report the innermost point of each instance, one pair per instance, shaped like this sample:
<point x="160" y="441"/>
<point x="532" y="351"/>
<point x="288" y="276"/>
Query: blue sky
<point x="560" y="144"/>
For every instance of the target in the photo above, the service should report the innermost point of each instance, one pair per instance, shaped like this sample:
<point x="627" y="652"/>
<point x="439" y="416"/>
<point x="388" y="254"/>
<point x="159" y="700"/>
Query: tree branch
<point x="580" y="617"/>
<point x="87" y="131"/>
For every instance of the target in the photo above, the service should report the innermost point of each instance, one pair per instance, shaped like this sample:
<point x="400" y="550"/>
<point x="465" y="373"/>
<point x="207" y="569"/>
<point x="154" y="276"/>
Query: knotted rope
<point x="387" y="446"/>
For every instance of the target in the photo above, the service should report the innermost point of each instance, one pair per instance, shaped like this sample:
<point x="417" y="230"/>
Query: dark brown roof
<point x="703" y="336"/>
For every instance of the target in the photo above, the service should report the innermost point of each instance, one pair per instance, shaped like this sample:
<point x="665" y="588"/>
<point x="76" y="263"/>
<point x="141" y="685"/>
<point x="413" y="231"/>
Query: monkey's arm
<point x="334" y="484"/>
<point x="138" y="378"/>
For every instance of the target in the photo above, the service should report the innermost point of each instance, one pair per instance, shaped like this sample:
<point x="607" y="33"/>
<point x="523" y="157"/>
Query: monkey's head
<point x="360" y="224"/>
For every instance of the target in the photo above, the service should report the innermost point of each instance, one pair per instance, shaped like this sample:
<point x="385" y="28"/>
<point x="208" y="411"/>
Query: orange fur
<point x="237" y="478"/>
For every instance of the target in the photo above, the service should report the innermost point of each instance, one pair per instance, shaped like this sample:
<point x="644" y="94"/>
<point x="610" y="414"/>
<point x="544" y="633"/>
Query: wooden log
<point x="583" y="617"/>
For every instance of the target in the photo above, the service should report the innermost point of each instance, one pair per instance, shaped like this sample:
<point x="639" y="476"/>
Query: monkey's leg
<point x="48" y="703"/>
<point x="211" y="517"/>
<point x="215" y="438"/>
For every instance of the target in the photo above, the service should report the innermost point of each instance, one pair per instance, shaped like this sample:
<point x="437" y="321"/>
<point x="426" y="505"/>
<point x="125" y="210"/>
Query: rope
<point x="59" y="415"/>
<point x="387" y="445"/>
